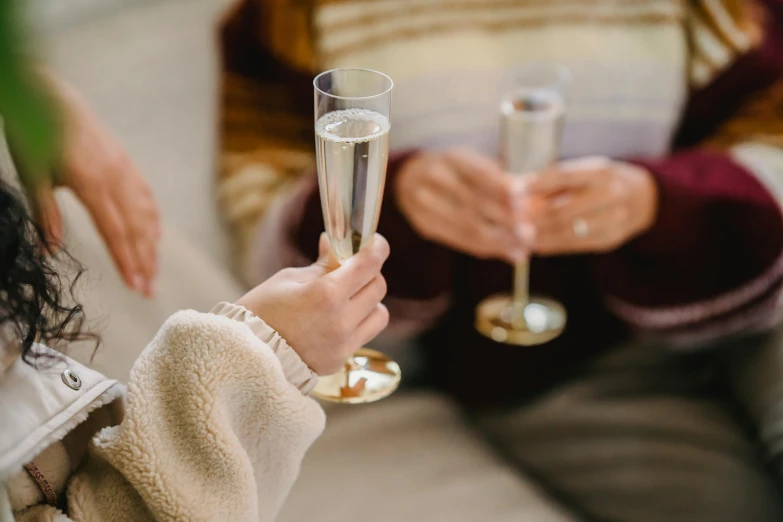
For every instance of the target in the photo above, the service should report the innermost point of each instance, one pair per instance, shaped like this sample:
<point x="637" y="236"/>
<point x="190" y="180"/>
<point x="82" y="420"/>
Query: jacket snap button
<point x="71" y="380"/>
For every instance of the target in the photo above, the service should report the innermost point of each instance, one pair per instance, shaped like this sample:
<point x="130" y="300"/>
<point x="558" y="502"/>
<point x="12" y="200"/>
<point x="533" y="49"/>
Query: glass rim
<point x="562" y="75"/>
<point x="330" y="71"/>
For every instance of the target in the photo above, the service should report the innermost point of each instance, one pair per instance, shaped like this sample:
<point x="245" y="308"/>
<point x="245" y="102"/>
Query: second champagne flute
<point x="532" y="111"/>
<point x="352" y="124"/>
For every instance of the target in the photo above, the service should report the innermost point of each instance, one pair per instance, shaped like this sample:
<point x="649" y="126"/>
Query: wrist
<point x="295" y="369"/>
<point x="646" y="200"/>
<point x="649" y="198"/>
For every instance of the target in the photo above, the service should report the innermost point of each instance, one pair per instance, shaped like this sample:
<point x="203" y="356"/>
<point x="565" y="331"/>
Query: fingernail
<point x="517" y="256"/>
<point x="150" y="288"/>
<point x="138" y="283"/>
<point x="529" y="232"/>
<point x="526" y="231"/>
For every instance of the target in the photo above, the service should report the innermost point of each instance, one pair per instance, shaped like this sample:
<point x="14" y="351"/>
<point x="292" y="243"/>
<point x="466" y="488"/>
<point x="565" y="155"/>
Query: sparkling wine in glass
<point x="532" y="111"/>
<point x="352" y="109"/>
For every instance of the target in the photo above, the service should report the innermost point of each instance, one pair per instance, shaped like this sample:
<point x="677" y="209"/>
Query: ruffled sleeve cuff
<point x="294" y="368"/>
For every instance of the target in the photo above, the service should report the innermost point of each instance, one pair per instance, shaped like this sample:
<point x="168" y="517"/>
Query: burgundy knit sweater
<point x="710" y="266"/>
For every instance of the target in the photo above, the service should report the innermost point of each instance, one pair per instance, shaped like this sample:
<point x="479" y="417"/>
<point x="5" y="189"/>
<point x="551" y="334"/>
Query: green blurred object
<point x="28" y="110"/>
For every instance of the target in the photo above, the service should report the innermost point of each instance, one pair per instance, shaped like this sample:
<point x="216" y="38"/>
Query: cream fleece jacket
<point x="216" y="424"/>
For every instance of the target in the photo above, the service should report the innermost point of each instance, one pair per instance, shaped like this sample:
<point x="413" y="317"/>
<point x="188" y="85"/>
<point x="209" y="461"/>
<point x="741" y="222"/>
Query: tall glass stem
<point x="522" y="283"/>
<point x="521" y="293"/>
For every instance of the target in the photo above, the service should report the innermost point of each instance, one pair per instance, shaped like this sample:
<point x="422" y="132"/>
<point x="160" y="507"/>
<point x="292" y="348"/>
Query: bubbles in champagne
<point x="352" y="125"/>
<point x="531" y="129"/>
<point x="352" y="152"/>
<point x="533" y="103"/>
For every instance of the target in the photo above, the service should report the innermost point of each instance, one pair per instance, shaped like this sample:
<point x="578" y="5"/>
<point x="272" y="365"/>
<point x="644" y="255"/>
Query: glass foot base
<point x="540" y="320"/>
<point x="368" y="376"/>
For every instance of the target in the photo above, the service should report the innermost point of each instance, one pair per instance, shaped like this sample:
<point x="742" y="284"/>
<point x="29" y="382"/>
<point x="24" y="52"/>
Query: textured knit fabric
<point x="214" y="428"/>
<point x="447" y="58"/>
<point x="673" y="86"/>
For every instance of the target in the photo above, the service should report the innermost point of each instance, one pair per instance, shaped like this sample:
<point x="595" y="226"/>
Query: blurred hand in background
<point x="589" y="205"/>
<point x="466" y="202"/>
<point x="326" y="311"/>
<point x="97" y="169"/>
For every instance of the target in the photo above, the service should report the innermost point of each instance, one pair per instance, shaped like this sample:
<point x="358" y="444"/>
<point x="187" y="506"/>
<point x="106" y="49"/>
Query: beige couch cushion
<point x="410" y="458"/>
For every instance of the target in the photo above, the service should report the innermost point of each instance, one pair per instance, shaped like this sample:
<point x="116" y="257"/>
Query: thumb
<point x="326" y="257"/>
<point x="325" y="263"/>
<point x="567" y="175"/>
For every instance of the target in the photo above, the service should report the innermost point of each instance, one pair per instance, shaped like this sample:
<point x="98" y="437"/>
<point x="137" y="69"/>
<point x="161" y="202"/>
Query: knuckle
<point x="383" y="247"/>
<point x="375" y="257"/>
<point x="348" y="347"/>
<point x="383" y="287"/>
<point x="326" y="293"/>
<point x="366" y="260"/>
<point x="380" y="322"/>
<point x="343" y="327"/>
<point x="331" y="297"/>
<point x="384" y="316"/>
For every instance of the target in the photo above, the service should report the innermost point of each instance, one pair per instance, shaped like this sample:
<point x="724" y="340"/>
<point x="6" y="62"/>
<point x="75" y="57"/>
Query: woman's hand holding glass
<point x="588" y="205"/>
<point x="326" y="311"/>
<point x="465" y="201"/>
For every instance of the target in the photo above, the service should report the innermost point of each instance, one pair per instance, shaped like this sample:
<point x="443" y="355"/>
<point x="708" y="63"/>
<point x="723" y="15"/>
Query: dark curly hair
<point x="34" y="297"/>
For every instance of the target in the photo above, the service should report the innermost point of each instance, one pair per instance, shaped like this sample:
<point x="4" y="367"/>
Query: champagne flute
<point x="532" y="111"/>
<point x="352" y="124"/>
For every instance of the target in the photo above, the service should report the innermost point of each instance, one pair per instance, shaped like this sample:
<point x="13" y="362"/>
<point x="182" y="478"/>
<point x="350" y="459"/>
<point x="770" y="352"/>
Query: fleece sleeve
<point x="215" y="429"/>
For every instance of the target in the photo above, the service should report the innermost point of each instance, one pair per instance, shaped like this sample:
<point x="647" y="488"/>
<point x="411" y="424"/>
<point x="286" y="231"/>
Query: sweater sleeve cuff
<point x="714" y="249"/>
<point x="294" y="368"/>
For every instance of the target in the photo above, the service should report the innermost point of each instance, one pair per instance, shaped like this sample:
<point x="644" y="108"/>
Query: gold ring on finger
<point x="581" y="229"/>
